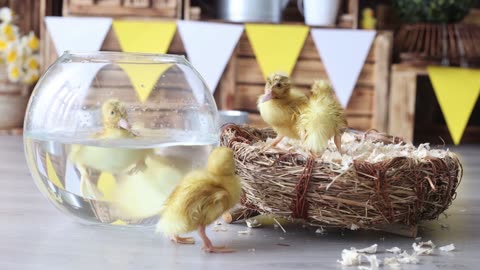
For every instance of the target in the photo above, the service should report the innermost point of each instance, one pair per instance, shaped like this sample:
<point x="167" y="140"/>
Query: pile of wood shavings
<point x="354" y="257"/>
<point x="366" y="150"/>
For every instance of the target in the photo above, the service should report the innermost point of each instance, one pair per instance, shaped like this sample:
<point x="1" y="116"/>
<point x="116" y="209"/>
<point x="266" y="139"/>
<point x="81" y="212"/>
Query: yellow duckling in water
<point x="108" y="159"/>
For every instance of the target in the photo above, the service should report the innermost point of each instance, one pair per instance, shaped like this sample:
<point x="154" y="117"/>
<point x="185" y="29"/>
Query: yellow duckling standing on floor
<point x="108" y="159"/>
<point x="200" y="199"/>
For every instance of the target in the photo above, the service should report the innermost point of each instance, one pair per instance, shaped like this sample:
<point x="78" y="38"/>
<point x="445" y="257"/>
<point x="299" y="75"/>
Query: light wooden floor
<point x="33" y="235"/>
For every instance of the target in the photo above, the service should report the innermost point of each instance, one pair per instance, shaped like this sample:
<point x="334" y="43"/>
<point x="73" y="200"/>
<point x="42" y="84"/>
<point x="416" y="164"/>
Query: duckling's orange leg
<point x="277" y="140"/>
<point x="183" y="240"/>
<point x="338" y="142"/>
<point x="207" y="244"/>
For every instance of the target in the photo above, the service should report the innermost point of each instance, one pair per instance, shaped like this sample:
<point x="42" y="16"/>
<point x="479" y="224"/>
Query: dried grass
<point x="381" y="180"/>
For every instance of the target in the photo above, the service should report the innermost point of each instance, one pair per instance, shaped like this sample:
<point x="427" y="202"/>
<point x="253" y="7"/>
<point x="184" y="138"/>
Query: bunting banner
<point x="457" y="91"/>
<point x="144" y="77"/>
<point x="51" y="173"/>
<point x="343" y="53"/>
<point x="72" y="180"/>
<point x="209" y="47"/>
<point x="77" y="34"/>
<point x="276" y="47"/>
<point x="146" y="37"/>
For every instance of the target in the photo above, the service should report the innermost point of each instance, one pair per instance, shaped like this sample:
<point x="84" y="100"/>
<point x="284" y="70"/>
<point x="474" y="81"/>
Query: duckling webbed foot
<point x="183" y="240"/>
<point x="208" y="246"/>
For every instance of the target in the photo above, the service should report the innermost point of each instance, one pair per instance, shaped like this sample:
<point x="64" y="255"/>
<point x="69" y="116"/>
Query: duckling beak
<point x="123" y="123"/>
<point x="267" y="96"/>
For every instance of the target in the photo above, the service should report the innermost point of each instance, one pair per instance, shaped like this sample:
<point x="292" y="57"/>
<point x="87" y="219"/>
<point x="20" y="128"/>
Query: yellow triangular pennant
<point x="143" y="77"/>
<point x="51" y="173"/>
<point x="107" y="185"/>
<point x="457" y="91"/>
<point x="276" y="46"/>
<point x="144" y="36"/>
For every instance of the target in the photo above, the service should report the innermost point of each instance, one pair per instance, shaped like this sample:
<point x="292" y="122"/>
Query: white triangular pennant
<point x="72" y="181"/>
<point x="40" y="166"/>
<point x="343" y="53"/>
<point x="209" y="47"/>
<point x="77" y="34"/>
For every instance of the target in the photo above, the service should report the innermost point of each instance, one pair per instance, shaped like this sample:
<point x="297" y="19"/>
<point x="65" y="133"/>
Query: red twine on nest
<point x="300" y="204"/>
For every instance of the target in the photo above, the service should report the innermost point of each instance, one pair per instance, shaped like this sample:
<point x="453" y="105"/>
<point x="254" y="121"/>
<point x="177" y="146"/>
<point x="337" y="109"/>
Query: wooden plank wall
<point x="121" y="8"/>
<point x="242" y="81"/>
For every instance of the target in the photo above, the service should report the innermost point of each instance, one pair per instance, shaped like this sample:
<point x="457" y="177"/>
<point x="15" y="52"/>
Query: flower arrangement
<point x="18" y="54"/>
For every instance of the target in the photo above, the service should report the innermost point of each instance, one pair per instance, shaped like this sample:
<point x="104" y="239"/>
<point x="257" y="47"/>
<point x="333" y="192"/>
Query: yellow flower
<point x="32" y="41"/>
<point x="14" y="72"/>
<point x="14" y="52"/>
<point x="31" y="77"/>
<point x="3" y="45"/>
<point x="32" y="63"/>
<point x="9" y="31"/>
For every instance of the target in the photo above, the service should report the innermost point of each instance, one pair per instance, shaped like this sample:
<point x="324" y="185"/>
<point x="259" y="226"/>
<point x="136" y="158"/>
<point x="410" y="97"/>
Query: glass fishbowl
<point x="109" y="135"/>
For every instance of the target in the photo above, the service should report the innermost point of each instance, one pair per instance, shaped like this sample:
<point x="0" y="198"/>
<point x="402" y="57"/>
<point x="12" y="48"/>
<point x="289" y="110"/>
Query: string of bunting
<point x="209" y="47"/>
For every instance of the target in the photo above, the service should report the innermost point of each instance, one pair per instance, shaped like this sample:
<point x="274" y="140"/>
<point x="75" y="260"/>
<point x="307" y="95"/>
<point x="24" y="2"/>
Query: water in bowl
<point x="113" y="181"/>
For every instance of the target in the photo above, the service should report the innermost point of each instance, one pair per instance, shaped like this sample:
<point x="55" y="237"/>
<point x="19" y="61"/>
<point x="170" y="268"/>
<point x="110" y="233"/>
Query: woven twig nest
<point x="379" y="181"/>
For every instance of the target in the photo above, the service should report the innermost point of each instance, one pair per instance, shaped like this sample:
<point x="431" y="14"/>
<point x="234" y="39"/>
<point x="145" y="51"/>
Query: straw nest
<point x="379" y="181"/>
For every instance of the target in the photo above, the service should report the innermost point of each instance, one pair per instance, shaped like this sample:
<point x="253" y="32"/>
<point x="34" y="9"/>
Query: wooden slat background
<point x="242" y="81"/>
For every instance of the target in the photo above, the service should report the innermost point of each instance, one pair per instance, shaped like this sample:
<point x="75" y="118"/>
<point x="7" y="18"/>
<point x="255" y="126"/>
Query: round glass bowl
<point x="109" y="135"/>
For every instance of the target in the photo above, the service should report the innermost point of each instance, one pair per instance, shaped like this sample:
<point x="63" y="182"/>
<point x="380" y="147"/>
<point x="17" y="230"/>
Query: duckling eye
<point x="278" y="84"/>
<point x="112" y="113"/>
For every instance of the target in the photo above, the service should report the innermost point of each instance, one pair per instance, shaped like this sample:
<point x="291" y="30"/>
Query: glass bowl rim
<point x="122" y="57"/>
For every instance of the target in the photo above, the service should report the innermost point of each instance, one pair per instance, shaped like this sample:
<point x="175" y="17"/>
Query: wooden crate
<point x="121" y="8"/>
<point x="243" y="82"/>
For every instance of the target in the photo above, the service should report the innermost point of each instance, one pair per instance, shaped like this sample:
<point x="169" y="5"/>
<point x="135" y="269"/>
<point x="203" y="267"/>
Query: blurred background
<point x="393" y="92"/>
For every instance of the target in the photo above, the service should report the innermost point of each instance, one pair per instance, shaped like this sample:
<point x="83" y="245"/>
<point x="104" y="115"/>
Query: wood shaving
<point x="370" y="250"/>
<point x="405" y="258"/>
<point x="350" y="257"/>
<point x="253" y="223"/>
<point x="217" y="228"/>
<point x="447" y="248"/>
<point x="424" y="248"/>
<point x="320" y="230"/>
<point x="354" y="227"/>
<point x="391" y="261"/>
<point x="394" y="250"/>
<point x="251" y="250"/>
<point x="246" y="232"/>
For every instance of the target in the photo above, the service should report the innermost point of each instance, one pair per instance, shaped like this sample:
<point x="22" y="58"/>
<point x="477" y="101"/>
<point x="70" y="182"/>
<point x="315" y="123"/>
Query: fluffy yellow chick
<point x="108" y="159"/>
<point x="201" y="198"/>
<point x="280" y="107"/>
<point x="322" y="119"/>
